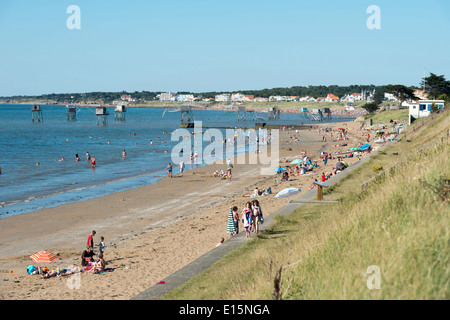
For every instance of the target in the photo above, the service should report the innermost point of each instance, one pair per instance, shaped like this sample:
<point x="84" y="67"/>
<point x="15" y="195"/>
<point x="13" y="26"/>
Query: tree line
<point x="434" y="85"/>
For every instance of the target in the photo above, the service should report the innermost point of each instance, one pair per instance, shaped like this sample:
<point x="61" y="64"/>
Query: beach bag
<point x="30" y="269"/>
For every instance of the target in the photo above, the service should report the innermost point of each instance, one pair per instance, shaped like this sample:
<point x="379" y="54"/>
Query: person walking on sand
<point x="230" y="225"/>
<point x="181" y="168"/>
<point x="256" y="214"/>
<point x="169" y="170"/>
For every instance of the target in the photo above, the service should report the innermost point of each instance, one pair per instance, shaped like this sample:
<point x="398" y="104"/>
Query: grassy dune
<point x="399" y="223"/>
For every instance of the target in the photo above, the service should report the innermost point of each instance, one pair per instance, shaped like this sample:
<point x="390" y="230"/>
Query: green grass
<point x="384" y="117"/>
<point x="399" y="223"/>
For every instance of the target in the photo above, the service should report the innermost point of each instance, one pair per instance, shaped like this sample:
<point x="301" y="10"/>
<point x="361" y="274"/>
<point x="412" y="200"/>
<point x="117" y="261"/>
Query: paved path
<point x="208" y="259"/>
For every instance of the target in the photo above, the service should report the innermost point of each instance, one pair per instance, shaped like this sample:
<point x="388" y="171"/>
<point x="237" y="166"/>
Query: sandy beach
<point x="152" y="231"/>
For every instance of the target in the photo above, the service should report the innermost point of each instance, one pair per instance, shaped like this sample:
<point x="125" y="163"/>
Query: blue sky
<point x="211" y="45"/>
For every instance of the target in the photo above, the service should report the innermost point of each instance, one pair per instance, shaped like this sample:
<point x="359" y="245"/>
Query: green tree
<point x="444" y="97"/>
<point x="401" y="92"/>
<point x="370" y="107"/>
<point x="436" y="85"/>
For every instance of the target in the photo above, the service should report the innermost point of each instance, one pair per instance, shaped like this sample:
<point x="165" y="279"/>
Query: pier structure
<point x="327" y="113"/>
<point x="242" y="113"/>
<point x="71" y="114"/>
<point x="119" y="112"/>
<point x="36" y="113"/>
<point x="304" y="113"/>
<point x="273" y="113"/>
<point x="316" y="115"/>
<point x="102" y="115"/>
<point x="187" y="117"/>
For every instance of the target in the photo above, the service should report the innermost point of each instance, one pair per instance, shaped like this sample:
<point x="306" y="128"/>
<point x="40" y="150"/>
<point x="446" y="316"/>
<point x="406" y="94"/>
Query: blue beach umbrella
<point x="296" y="161"/>
<point x="278" y="170"/>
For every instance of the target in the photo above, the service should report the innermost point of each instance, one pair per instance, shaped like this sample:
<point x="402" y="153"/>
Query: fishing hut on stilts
<point x="316" y="115"/>
<point x="242" y="113"/>
<point x="326" y="113"/>
<point x="304" y="113"/>
<point x="102" y="115"/>
<point x="273" y="113"/>
<point x="187" y="117"/>
<point x="119" y="113"/>
<point x="71" y="114"/>
<point x="36" y="113"/>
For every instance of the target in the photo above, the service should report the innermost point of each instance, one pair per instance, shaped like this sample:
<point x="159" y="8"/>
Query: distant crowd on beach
<point x="251" y="215"/>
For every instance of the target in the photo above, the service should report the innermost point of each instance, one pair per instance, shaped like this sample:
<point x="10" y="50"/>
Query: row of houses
<point x="363" y="96"/>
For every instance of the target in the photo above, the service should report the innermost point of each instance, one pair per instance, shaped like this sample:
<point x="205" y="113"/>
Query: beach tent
<point x="364" y="147"/>
<point x="379" y="140"/>
<point x="355" y="149"/>
<point x="287" y="192"/>
<point x="340" y="166"/>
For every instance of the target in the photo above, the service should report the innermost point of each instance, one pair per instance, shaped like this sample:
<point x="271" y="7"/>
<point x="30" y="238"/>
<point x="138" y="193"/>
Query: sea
<point x="33" y="175"/>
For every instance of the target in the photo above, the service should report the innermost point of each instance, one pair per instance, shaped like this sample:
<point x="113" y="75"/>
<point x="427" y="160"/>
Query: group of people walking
<point x="251" y="215"/>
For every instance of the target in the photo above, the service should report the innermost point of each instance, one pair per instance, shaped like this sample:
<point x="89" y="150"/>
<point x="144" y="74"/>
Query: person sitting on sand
<point x="87" y="256"/>
<point x="285" y="177"/>
<point x="97" y="265"/>
<point x="222" y="239"/>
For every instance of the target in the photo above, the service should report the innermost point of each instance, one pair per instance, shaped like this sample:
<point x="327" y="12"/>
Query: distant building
<point x="235" y="97"/>
<point x="331" y="98"/>
<point x="184" y="97"/>
<point x="167" y="96"/>
<point x="420" y="94"/>
<point x="260" y="99"/>
<point x="226" y="97"/>
<point x="390" y="96"/>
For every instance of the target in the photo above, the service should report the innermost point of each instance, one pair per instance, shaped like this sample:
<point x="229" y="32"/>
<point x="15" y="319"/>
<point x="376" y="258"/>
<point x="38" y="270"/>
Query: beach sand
<point x="150" y="232"/>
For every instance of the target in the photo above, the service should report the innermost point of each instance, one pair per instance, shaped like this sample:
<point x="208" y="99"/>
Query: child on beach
<point x="236" y="219"/>
<point x="101" y="245"/>
<point x="169" y="170"/>
<point x="90" y="241"/>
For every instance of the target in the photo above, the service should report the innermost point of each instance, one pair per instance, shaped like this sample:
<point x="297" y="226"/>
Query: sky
<point x="218" y="45"/>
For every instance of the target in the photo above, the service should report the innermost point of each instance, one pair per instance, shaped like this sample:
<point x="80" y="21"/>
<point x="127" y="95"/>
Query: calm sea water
<point x="26" y="187"/>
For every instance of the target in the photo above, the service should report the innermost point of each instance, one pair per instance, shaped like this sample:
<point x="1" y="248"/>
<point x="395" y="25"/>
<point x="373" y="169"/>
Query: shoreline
<point x="153" y="230"/>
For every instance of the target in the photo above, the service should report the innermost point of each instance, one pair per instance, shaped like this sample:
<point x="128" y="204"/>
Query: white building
<point x="277" y="98"/>
<point x="331" y="98"/>
<point x="225" y="97"/>
<point x="184" y="97"/>
<point x="237" y="97"/>
<point x="422" y="108"/>
<point x="390" y="97"/>
<point x="166" y="96"/>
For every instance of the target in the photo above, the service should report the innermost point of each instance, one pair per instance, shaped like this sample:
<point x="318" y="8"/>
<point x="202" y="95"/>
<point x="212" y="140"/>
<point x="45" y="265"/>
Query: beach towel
<point x="104" y="271"/>
<point x="230" y="224"/>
